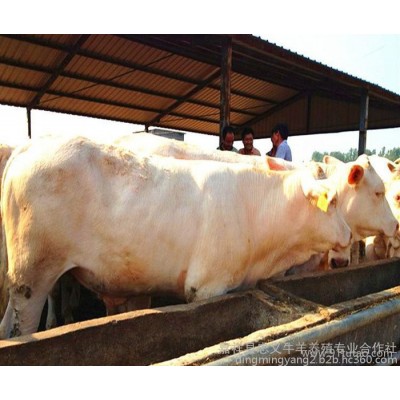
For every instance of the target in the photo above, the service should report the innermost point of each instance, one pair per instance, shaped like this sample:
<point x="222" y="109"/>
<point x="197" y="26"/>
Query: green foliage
<point x="352" y="154"/>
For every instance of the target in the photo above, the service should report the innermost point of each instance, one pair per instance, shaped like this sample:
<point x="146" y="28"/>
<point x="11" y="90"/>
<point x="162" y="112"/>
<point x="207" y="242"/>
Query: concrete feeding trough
<point x="356" y="321"/>
<point x="264" y="326"/>
<point x="149" y="336"/>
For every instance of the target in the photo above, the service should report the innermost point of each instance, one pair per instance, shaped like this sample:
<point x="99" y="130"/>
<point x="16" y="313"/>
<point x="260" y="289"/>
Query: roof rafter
<point x="55" y="73"/>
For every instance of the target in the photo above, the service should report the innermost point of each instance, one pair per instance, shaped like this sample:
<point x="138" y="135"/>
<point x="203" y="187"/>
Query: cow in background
<point x="381" y="246"/>
<point x="361" y="198"/>
<point x="138" y="225"/>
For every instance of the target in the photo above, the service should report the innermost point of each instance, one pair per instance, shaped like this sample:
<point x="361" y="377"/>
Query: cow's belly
<point x="125" y="282"/>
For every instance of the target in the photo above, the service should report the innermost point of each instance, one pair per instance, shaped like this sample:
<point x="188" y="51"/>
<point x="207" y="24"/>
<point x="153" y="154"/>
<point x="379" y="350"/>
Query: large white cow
<point x="66" y="290"/>
<point x="129" y="225"/>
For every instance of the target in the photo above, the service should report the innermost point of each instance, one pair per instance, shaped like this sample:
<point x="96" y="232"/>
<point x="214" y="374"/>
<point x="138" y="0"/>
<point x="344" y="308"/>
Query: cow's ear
<point x="355" y="175"/>
<point x="275" y="164"/>
<point x="331" y="160"/>
<point x="391" y="166"/>
<point x="317" y="170"/>
<point x="279" y="164"/>
<point x="319" y="196"/>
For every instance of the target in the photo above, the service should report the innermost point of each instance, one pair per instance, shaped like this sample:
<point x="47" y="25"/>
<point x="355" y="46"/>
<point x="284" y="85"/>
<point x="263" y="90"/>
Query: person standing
<point x="279" y="137"/>
<point x="247" y="139"/>
<point x="228" y="137"/>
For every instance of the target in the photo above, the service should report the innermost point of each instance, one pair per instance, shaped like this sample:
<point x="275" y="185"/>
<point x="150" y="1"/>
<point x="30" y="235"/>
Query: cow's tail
<point x="3" y="247"/>
<point x="3" y="274"/>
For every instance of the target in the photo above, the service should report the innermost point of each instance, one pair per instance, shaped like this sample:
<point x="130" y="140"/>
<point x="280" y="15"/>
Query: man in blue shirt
<point x="279" y="137"/>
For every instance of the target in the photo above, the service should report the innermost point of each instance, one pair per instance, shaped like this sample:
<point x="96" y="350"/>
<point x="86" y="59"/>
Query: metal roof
<point x="173" y="81"/>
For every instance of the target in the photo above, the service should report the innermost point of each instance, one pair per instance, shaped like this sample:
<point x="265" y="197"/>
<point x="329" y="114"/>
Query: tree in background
<point x="352" y="154"/>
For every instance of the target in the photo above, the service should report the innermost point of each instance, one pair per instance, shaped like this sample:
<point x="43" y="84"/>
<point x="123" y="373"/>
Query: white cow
<point x="381" y="246"/>
<point x="129" y="225"/>
<point x="361" y="198"/>
<point x="66" y="290"/>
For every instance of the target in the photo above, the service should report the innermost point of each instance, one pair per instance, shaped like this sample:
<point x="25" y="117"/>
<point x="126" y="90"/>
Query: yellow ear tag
<point x="322" y="202"/>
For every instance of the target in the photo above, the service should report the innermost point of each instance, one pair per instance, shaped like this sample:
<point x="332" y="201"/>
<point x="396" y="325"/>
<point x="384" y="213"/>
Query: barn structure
<point x="195" y="83"/>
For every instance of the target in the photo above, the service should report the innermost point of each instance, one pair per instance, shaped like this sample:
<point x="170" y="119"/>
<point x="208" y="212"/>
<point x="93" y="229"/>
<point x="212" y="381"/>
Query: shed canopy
<point x="174" y="81"/>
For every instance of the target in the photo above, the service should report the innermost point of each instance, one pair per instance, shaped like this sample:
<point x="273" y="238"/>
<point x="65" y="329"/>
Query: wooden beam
<point x="309" y="105"/>
<point x="56" y="73"/>
<point x="185" y="98"/>
<point x="225" y="96"/>
<point x="362" y="137"/>
<point x="279" y="107"/>
<point x="28" y="115"/>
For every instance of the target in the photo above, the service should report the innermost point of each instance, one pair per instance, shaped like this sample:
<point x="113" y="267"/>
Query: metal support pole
<point x="362" y="138"/>
<point x="28" y="114"/>
<point x="225" y="96"/>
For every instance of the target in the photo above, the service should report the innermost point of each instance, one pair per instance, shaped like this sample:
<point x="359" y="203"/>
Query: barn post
<point x="362" y="138"/>
<point x="28" y="115"/>
<point x="225" y="94"/>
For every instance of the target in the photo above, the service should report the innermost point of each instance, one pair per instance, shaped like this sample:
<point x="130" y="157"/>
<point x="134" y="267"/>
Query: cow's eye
<point x="379" y="195"/>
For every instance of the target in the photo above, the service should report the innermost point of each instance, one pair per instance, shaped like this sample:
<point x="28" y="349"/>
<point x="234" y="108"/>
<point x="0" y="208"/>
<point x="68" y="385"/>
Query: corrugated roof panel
<point x="22" y="76"/>
<point x="65" y="40"/>
<point x="124" y="50"/>
<point x="253" y="105"/>
<point x="16" y="97"/>
<point x="107" y="93"/>
<point x="208" y="95"/>
<point x="148" y="81"/>
<point x="98" y="110"/>
<point x="259" y="88"/>
<point x="294" y="115"/>
<point x="198" y="111"/>
<point x="133" y="52"/>
<point x="238" y="119"/>
<point x="86" y="66"/>
<point x="238" y="102"/>
<point x="327" y="112"/>
<point x="187" y="67"/>
<point x="99" y="70"/>
<point x="28" y="53"/>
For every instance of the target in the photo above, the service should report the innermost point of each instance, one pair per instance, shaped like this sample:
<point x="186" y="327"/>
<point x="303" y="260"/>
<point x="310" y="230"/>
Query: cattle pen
<point x="200" y="83"/>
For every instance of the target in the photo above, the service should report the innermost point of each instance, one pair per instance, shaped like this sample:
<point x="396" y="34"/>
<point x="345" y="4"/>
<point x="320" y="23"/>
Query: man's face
<point x="248" y="141"/>
<point x="275" y="138"/>
<point x="228" y="141"/>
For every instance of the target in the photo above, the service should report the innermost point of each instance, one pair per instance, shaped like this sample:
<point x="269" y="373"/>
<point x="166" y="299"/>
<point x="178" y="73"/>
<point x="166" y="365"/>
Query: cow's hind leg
<point x="28" y="292"/>
<point x="24" y="310"/>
